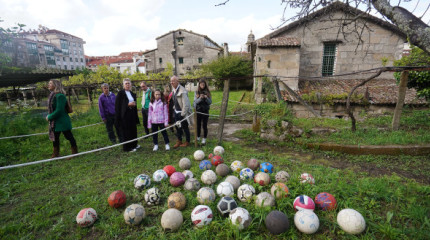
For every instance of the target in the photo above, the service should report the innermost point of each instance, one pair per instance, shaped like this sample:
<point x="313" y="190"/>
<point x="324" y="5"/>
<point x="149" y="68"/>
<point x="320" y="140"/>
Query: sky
<point x="110" y="27"/>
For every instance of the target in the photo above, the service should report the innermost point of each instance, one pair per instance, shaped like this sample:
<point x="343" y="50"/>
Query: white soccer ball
<point x="264" y="199"/>
<point x="282" y="176"/>
<point x="351" y="221"/>
<point x="236" y="166"/>
<point x="218" y="150"/>
<point x="307" y="178"/>
<point x="246" y="174"/>
<point x="185" y="163"/>
<point x="86" y="217"/>
<point x="192" y="184"/>
<point x="142" y="181"/>
<point x="171" y="219"/>
<point x="159" y="175"/>
<point x="306" y="221"/>
<point x="240" y="217"/>
<point x="226" y="205"/>
<point x="234" y="181"/>
<point x="208" y="177"/>
<point x="134" y="214"/>
<point x="201" y="216"/>
<point x="199" y="155"/>
<point x="245" y="192"/>
<point x="152" y="196"/>
<point x="224" y="189"/>
<point x="205" y="195"/>
<point x="188" y="174"/>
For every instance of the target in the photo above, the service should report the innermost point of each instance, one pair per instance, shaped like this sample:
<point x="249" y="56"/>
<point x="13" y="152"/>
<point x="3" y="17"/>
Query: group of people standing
<point x="119" y="112"/>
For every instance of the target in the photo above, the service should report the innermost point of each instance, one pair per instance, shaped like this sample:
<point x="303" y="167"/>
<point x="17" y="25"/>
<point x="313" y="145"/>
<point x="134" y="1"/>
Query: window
<point x="65" y="67"/>
<point x="200" y="60"/>
<point x="76" y="60"/>
<point x="82" y="60"/>
<point x="71" y="59"/>
<point x="64" y="59"/>
<point x="180" y="40"/>
<point x="329" y="58"/>
<point x="268" y="63"/>
<point x="160" y="60"/>
<point x="181" y="60"/>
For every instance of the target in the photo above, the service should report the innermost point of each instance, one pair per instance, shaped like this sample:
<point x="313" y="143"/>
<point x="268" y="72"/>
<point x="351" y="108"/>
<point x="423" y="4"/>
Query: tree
<point x="6" y="41"/>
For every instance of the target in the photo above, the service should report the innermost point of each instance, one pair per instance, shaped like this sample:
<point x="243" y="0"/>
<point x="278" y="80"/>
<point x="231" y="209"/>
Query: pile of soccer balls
<point x="254" y="175"/>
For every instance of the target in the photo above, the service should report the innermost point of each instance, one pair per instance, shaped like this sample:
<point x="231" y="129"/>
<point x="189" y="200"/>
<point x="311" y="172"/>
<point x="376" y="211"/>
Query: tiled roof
<point x="278" y="42"/>
<point x="246" y="55"/>
<point x="378" y="91"/>
<point x="141" y="64"/>
<point x="128" y="60"/>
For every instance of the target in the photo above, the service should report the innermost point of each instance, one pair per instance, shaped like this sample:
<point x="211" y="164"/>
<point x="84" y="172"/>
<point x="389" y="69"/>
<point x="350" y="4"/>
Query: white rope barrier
<point x="36" y="134"/>
<point x="217" y="115"/>
<point x="241" y="102"/>
<point x="94" y="150"/>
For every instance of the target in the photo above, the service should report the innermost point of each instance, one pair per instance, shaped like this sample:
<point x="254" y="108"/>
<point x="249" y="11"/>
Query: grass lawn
<point x="42" y="201"/>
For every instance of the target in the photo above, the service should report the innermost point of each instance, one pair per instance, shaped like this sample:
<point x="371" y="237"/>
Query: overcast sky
<point x="110" y="27"/>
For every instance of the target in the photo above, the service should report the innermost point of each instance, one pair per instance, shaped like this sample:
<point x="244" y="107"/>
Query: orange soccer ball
<point x="117" y="199"/>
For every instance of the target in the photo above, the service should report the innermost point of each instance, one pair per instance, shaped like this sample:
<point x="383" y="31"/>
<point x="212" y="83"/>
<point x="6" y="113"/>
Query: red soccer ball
<point x="216" y="160"/>
<point x="325" y="201"/>
<point x="117" y="199"/>
<point x="169" y="169"/>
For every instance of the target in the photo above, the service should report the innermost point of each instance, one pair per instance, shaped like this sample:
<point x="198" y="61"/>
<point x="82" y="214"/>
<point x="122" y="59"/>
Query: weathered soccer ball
<point x="185" y="163"/>
<point x="208" y="177"/>
<point x="245" y="192"/>
<point x="159" y="175"/>
<point x="240" y="217"/>
<point x="226" y="205"/>
<point x="253" y="164"/>
<point x="234" y="181"/>
<point x="282" y="176"/>
<point x="266" y="167"/>
<point x="224" y="189"/>
<point x="307" y="178"/>
<point x="306" y="221"/>
<point x="279" y="190"/>
<point x="169" y="169"/>
<point x="177" y="179"/>
<point x="222" y="170"/>
<point x="351" y="221"/>
<point x="218" y="150"/>
<point x="117" y="199"/>
<point x="199" y="155"/>
<point x="172" y="219"/>
<point x="277" y="222"/>
<point x="246" y="174"/>
<point x="205" y="195"/>
<point x="262" y="178"/>
<point x="152" y="196"/>
<point x="264" y="199"/>
<point x="216" y="160"/>
<point x="192" y="184"/>
<point x="201" y="216"/>
<point x="303" y="202"/>
<point x="176" y="200"/>
<point x="142" y="181"/>
<point x="211" y="155"/>
<point x="188" y="174"/>
<point x="86" y="217"/>
<point x="325" y="201"/>
<point x="134" y="214"/>
<point x="205" y="165"/>
<point x="236" y="166"/>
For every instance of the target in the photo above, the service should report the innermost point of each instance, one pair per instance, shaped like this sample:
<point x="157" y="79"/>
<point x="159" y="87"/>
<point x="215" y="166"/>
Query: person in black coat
<point x="126" y="117"/>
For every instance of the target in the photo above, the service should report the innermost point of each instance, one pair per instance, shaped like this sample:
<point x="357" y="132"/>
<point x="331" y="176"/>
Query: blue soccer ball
<point x="205" y="165"/>
<point x="246" y="174"/>
<point x="266" y="167"/>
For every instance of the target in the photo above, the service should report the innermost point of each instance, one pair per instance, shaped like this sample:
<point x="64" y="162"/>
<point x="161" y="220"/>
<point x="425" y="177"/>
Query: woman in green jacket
<point x="59" y="120"/>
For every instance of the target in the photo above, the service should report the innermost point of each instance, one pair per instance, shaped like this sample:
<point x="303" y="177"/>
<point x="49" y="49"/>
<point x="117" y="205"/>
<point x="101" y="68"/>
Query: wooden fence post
<point x="223" y="111"/>
<point x="277" y="90"/>
<point x="400" y="100"/>
<point x="33" y="93"/>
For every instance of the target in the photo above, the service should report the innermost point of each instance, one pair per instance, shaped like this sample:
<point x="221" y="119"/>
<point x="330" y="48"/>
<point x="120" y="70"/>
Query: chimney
<point x="225" y="49"/>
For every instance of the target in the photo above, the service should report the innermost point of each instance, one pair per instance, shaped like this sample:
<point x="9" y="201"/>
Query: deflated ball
<point x="192" y="184"/>
<point x="199" y="155"/>
<point x="216" y="160"/>
<point x="188" y="174"/>
<point x="142" y="181"/>
<point x="176" y="200"/>
<point x="152" y="196"/>
<point x="185" y="163"/>
<point x="282" y="176"/>
<point x="177" y="179"/>
<point x="307" y="178"/>
<point x="277" y="222"/>
<point x="172" y="219"/>
<point x="233" y="180"/>
<point x="253" y="164"/>
<point x="219" y="150"/>
<point x="240" y="217"/>
<point x="245" y="192"/>
<point x="201" y="216"/>
<point x="351" y="221"/>
<point x="279" y="190"/>
<point x="169" y="169"/>
<point x="134" y="214"/>
<point x="159" y="175"/>
<point x="236" y="166"/>
<point x="117" y="199"/>
<point x="205" y="195"/>
<point x="226" y="205"/>
<point x="208" y="177"/>
<point x="222" y="170"/>
<point x="264" y="199"/>
<point x="205" y="165"/>
<point x="262" y="178"/>
<point x="306" y="221"/>
<point x="303" y="202"/>
<point x="86" y="217"/>
<point x="266" y="167"/>
<point x="325" y="201"/>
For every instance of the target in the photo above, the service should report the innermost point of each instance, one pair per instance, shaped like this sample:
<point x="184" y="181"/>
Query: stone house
<point x="185" y="50"/>
<point x="330" y="43"/>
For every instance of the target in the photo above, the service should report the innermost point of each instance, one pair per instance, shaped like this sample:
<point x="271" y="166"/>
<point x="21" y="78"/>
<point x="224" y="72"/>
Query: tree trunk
<point x="417" y="31"/>
<point x="90" y="100"/>
<point x="400" y="100"/>
<point x="300" y="100"/>
<point x="75" y="95"/>
<point x="33" y="93"/>
<point x="223" y="111"/>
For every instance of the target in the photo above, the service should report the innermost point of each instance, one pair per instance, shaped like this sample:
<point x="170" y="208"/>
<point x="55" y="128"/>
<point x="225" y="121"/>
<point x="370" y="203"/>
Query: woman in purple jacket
<point x="158" y="117"/>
